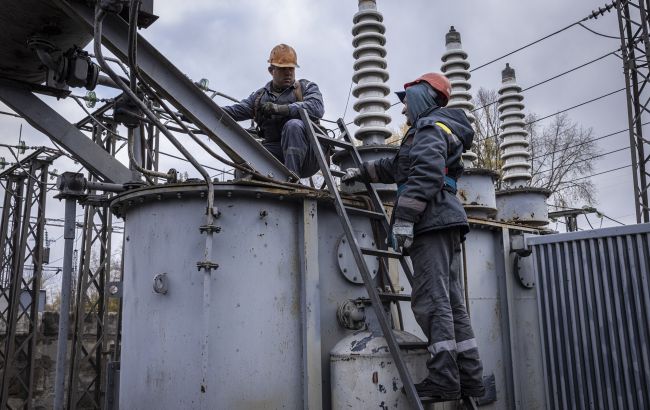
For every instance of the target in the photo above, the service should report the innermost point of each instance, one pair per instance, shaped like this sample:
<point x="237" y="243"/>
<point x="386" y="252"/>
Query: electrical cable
<point x="598" y="212"/>
<point x="10" y="114"/>
<point x="552" y="78"/>
<point x="348" y="100"/>
<point x="597" y="33"/>
<point x="76" y="99"/>
<point x="585" y="142"/>
<point x="583" y="160"/>
<point x="593" y="15"/>
<point x="596" y="174"/>
<point x="559" y="112"/>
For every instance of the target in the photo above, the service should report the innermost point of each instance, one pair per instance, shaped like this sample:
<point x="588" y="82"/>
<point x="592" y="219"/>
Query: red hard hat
<point x="437" y="81"/>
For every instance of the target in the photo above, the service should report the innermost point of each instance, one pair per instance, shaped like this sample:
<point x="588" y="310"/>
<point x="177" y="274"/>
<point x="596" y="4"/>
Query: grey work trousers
<point x="294" y="149"/>
<point x="439" y="308"/>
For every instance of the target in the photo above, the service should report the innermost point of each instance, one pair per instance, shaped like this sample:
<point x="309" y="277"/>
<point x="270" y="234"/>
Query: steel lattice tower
<point x="635" y="45"/>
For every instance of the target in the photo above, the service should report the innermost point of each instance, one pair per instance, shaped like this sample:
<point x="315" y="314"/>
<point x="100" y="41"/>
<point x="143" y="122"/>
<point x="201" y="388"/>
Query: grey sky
<point x="228" y="42"/>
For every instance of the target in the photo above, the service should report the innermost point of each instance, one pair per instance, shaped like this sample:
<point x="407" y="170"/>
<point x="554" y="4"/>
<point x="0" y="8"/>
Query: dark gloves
<point x="269" y="109"/>
<point x="351" y="176"/>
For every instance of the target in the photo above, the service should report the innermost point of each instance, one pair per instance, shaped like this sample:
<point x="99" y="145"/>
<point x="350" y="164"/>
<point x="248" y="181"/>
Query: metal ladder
<point x="317" y="138"/>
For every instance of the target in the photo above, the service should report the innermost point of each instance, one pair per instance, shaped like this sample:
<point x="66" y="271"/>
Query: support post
<point x="310" y="295"/>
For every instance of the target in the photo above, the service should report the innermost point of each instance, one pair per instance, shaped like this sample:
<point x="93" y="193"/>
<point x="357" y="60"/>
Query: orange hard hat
<point x="283" y="55"/>
<point x="438" y="82"/>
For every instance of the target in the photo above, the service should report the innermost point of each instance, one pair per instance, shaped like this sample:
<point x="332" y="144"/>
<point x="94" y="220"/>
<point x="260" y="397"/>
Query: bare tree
<point x="561" y="152"/>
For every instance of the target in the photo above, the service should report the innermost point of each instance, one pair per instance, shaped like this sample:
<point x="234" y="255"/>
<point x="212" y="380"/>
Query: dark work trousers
<point x="439" y="308"/>
<point x="294" y="149"/>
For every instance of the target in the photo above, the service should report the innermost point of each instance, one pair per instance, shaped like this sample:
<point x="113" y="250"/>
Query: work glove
<point x="402" y="234"/>
<point x="268" y="109"/>
<point x="351" y="176"/>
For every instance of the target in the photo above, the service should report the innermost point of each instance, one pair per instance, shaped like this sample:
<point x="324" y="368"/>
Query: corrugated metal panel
<point x="594" y="303"/>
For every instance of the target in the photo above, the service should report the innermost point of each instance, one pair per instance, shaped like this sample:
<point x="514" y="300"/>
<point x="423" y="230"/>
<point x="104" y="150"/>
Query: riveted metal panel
<point x="594" y="304"/>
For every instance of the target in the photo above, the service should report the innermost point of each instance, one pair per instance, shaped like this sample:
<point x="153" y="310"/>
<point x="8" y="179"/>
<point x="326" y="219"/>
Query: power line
<point x="577" y="105"/>
<point x="597" y="33"/>
<point x="184" y="159"/>
<point x="598" y="212"/>
<point x="552" y="78"/>
<point x="560" y="112"/>
<point x="593" y="15"/>
<point x="584" y="160"/>
<point x="10" y="114"/>
<point x="586" y="142"/>
<point x="599" y="173"/>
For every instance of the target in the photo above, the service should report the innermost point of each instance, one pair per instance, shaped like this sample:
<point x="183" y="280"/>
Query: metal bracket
<point x="209" y="229"/>
<point x="207" y="265"/>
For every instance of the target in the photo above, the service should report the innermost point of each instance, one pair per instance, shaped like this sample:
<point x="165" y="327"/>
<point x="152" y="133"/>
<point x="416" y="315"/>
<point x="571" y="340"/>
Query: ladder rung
<point x="413" y="345"/>
<point x="382" y="253"/>
<point x="332" y="141"/>
<point x="365" y="212"/>
<point x="405" y="297"/>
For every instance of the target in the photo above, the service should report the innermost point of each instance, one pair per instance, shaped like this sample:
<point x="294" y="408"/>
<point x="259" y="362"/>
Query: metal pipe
<point x="64" y="311"/>
<point x="104" y="186"/>
<point x="107" y="82"/>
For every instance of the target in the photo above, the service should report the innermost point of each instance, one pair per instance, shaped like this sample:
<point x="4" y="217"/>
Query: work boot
<point x="472" y="391"/>
<point x="427" y="388"/>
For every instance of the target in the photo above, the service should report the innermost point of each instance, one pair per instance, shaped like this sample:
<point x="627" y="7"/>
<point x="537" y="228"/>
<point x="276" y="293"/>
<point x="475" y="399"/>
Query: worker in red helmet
<point x="276" y="110"/>
<point x="429" y="223"/>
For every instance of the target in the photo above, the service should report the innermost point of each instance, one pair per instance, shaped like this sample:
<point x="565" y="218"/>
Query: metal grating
<point x="594" y="305"/>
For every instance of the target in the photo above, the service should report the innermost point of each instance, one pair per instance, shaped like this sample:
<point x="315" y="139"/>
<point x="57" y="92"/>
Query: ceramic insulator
<point x="514" y="146"/>
<point x="455" y="66"/>
<point x="370" y="75"/>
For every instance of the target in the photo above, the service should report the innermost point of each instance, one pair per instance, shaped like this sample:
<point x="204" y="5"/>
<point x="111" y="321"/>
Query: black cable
<point x="598" y="212"/>
<point x="584" y="160"/>
<point x="185" y="159"/>
<point x="10" y="114"/>
<point x="586" y="142"/>
<point x="599" y="173"/>
<point x="559" y="112"/>
<point x="593" y="15"/>
<point x="525" y="46"/>
<point x="597" y="33"/>
<point x="348" y="100"/>
<point x="552" y="78"/>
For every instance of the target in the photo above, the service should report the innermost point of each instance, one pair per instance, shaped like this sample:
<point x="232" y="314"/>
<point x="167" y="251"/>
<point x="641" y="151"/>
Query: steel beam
<point x="634" y="29"/>
<point x="185" y="96"/>
<point x="27" y="244"/>
<point x="87" y="349"/>
<point x="45" y="119"/>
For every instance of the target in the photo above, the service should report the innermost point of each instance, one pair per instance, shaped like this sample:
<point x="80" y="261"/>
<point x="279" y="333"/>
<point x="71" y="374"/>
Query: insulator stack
<point x="455" y="66"/>
<point x="516" y="166"/>
<point x="370" y="75"/>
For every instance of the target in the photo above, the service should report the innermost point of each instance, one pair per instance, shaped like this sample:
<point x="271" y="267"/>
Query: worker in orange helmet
<point x="429" y="223"/>
<point x="275" y="108"/>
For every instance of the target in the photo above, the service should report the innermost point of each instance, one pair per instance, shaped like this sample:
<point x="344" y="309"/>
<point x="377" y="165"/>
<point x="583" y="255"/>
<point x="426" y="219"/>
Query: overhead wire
<point x="559" y="112"/>
<point x="585" y="142"/>
<point x="584" y="160"/>
<point x="555" y="77"/>
<point x="597" y="174"/>
<point x="597" y="33"/>
<point x="592" y="15"/>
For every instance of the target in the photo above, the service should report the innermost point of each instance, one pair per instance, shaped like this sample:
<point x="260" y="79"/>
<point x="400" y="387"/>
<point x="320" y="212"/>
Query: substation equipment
<point x="244" y="294"/>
